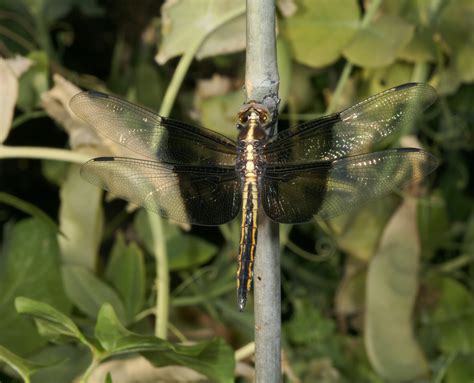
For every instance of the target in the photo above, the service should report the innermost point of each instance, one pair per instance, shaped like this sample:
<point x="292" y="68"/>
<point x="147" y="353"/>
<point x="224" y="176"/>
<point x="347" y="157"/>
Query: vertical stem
<point x="261" y="83"/>
<point x="156" y="224"/>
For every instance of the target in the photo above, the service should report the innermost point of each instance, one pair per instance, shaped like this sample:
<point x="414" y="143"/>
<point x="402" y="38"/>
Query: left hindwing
<point x="202" y="195"/>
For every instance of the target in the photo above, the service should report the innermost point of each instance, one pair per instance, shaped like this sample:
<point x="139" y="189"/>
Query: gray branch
<point x="261" y="84"/>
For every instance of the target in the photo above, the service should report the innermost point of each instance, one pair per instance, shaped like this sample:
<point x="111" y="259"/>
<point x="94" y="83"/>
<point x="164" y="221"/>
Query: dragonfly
<point x="193" y="175"/>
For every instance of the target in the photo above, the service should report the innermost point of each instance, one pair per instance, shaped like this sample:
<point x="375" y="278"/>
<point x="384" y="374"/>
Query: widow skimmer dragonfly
<point x="319" y="168"/>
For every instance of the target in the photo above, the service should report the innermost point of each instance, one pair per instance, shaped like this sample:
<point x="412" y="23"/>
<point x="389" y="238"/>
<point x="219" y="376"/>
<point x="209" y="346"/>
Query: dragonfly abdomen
<point x="248" y="240"/>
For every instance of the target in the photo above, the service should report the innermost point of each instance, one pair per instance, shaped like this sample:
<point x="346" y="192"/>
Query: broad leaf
<point x="29" y="266"/>
<point x="214" y="358"/>
<point x="378" y="44"/>
<point x="116" y="339"/>
<point x="54" y="321"/>
<point x="461" y="369"/>
<point x="80" y="219"/>
<point x="184" y="23"/>
<point x="65" y="363"/>
<point x="126" y="272"/>
<point x="452" y="320"/>
<point x="50" y="11"/>
<point x="359" y="234"/>
<point x="34" y="82"/>
<point x="433" y="224"/>
<point x="321" y="29"/>
<point x="219" y="112"/>
<point x="392" y="285"/>
<point x="88" y="292"/>
<point x="186" y="251"/>
<point x="22" y="366"/>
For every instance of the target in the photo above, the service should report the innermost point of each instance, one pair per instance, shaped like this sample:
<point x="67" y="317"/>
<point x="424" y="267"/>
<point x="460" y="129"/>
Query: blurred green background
<point x="384" y="294"/>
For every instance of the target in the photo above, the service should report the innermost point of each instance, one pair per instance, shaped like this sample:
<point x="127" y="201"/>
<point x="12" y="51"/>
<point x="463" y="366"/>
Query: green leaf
<point x="55" y="171"/>
<point x="48" y="317"/>
<point x="116" y="339"/>
<point x="321" y="29"/>
<point x="88" y="292"/>
<point x="185" y="251"/>
<point x="108" y="378"/>
<point x="455" y="27"/>
<point x="381" y="79"/>
<point x="126" y="272"/>
<point x="379" y="43"/>
<point x="391" y="289"/>
<point x="34" y="82"/>
<point x="22" y="366"/>
<point x="359" y="234"/>
<point x="214" y="358"/>
<point x="146" y="73"/>
<point x="80" y="219"/>
<point x="184" y="23"/>
<point x="308" y="326"/>
<point x="452" y="319"/>
<point x="433" y="223"/>
<point x="302" y="93"/>
<point x="52" y="10"/>
<point x="461" y="369"/>
<point x="468" y="240"/>
<point x="421" y="47"/>
<point x="73" y="361"/>
<point x="218" y="113"/>
<point x="350" y="296"/>
<point x="29" y="266"/>
<point x="285" y="68"/>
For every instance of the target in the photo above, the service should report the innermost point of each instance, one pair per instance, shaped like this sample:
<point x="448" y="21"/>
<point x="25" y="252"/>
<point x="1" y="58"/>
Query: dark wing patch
<point x="151" y="135"/>
<point x="184" y="193"/>
<point x="353" y="130"/>
<point x="297" y="193"/>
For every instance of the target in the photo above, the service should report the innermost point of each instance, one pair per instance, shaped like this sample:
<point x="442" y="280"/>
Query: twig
<point x="261" y="83"/>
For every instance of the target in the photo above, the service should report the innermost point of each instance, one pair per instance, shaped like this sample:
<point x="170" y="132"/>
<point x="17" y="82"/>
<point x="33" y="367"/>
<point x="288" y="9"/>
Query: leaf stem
<point x="156" y="224"/>
<point x="41" y="153"/>
<point x="90" y="369"/>
<point x="28" y="116"/>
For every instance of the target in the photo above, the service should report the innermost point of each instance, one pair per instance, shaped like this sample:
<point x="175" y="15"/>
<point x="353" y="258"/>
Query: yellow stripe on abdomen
<point x="248" y="240"/>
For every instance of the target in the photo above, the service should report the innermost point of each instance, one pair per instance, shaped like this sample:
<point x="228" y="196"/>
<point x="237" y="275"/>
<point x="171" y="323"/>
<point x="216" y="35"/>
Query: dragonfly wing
<point x="297" y="193"/>
<point x="353" y="130"/>
<point x="151" y="135"/>
<point x="184" y="193"/>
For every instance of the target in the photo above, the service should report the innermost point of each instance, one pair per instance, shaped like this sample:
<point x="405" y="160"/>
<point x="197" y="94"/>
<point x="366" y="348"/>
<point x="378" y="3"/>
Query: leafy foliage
<point x="385" y="293"/>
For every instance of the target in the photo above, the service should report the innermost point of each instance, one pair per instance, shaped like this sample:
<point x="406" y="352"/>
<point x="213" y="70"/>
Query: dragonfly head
<point x="254" y="120"/>
<point x="254" y="111"/>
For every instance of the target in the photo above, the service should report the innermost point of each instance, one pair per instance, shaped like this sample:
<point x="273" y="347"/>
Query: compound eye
<point x="243" y="119"/>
